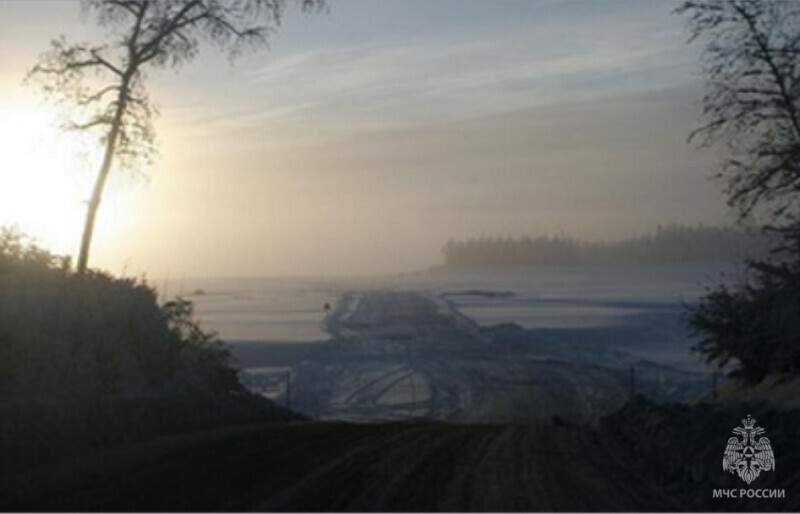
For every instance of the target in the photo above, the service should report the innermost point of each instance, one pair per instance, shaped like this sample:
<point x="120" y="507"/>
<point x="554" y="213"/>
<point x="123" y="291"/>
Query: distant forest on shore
<point x="669" y="244"/>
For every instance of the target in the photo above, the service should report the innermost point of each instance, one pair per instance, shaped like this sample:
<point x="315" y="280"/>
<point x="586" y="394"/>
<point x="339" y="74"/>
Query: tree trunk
<point x="100" y="181"/>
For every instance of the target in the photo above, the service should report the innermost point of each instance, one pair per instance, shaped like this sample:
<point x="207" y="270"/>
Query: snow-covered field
<point x="419" y="345"/>
<point x="638" y="309"/>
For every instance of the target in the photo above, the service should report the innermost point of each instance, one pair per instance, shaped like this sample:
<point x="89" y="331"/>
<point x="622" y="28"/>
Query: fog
<point x="368" y="136"/>
<point x="351" y="201"/>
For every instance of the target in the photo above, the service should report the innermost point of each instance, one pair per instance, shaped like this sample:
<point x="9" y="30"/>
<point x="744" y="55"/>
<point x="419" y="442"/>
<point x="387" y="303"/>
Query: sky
<point x="366" y="136"/>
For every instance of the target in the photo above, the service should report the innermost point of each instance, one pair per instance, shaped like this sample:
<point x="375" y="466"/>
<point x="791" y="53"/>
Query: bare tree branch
<point x="752" y="100"/>
<point x="155" y="33"/>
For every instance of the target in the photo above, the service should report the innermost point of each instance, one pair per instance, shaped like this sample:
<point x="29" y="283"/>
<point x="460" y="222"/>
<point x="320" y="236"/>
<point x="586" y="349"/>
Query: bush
<point x="755" y="326"/>
<point x="80" y="348"/>
<point x="63" y="335"/>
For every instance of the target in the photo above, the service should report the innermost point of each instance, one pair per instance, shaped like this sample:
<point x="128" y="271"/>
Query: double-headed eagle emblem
<point x="748" y="456"/>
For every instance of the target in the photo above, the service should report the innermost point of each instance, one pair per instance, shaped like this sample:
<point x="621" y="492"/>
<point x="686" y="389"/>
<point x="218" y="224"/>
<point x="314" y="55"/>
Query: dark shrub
<point x="87" y="361"/>
<point x="754" y="328"/>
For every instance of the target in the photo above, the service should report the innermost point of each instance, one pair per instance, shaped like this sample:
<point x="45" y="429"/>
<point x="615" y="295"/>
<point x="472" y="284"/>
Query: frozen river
<point x="639" y="309"/>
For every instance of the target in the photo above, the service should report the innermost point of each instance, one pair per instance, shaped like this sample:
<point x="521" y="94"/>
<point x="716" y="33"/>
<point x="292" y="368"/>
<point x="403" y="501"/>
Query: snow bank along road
<point x="407" y="355"/>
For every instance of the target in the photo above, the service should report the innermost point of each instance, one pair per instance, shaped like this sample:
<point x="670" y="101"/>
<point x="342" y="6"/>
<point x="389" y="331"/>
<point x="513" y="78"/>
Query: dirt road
<point x="335" y="466"/>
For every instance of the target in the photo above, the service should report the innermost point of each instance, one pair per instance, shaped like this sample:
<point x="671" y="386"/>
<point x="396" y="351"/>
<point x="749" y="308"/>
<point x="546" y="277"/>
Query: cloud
<point x="445" y="77"/>
<point x="567" y="51"/>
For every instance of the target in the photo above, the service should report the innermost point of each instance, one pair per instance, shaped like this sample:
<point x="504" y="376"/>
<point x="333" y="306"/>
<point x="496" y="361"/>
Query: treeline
<point x="670" y="244"/>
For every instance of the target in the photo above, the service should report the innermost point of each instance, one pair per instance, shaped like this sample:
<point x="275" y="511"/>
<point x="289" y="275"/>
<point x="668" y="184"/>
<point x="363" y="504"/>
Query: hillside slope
<point x="95" y="361"/>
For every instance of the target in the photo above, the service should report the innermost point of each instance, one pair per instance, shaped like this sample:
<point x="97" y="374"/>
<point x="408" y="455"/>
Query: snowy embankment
<point x="407" y="355"/>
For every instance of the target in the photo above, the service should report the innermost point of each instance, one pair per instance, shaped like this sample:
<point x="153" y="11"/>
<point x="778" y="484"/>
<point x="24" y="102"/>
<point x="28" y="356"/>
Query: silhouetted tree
<point x="752" y="107"/>
<point x="751" y="64"/>
<point x="104" y="85"/>
<point x="753" y="327"/>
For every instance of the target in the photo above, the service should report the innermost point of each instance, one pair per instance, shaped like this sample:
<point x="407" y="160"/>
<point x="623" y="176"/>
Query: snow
<point x="638" y="309"/>
<point x="400" y="355"/>
<point x="416" y="345"/>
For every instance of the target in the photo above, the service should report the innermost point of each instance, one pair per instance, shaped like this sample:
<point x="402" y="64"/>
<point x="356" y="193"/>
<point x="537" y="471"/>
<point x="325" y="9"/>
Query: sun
<point x="40" y="191"/>
<point x="45" y="175"/>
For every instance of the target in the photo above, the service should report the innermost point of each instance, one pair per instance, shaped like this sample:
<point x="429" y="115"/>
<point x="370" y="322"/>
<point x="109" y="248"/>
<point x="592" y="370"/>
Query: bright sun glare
<point x="45" y="178"/>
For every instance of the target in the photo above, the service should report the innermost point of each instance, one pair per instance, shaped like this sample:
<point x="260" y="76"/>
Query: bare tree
<point x="104" y="85"/>
<point x="751" y="64"/>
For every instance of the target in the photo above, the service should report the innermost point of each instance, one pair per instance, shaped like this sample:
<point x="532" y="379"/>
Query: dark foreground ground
<point x="647" y="458"/>
<point x="330" y="466"/>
